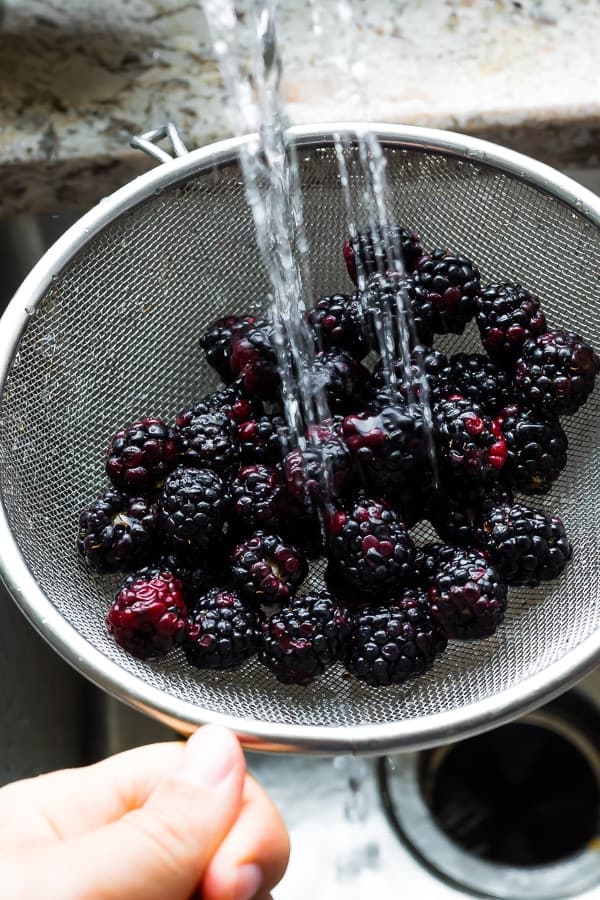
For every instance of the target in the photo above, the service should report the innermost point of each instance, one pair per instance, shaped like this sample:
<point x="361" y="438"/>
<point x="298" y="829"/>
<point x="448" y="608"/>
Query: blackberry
<point x="424" y="361"/>
<point x="391" y="643"/>
<point x="556" y="373"/>
<point x="140" y="456"/>
<point x="207" y="440"/>
<point x="256" y="499"/>
<point x="370" y="550"/>
<point x="345" y="382"/>
<point x="466" y="593"/>
<point x="390" y="303"/>
<point x="266" y="568"/>
<point x="456" y="512"/>
<point x="148" y="615"/>
<point x="263" y="440"/>
<point x="221" y="631"/>
<point x="301" y="640"/>
<point x="234" y="401"/>
<point x="195" y="577"/>
<point x="507" y="316"/>
<point x="370" y="251"/>
<point x="254" y="359"/>
<point x="527" y="545"/>
<point x="470" y="444"/>
<point x="536" y="450"/>
<point x="337" y="324"/>
<point x="118" y="533"/>
<point x="217" y="342"/>
<point x="194" y="506"/>
<point x="315" y="473"/>
<point x="446" y="286"/>
<point x="478" y="379"/>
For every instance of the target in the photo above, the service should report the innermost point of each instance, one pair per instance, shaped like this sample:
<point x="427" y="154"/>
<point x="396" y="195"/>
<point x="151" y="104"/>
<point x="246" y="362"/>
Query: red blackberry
<point x="507" y="316"/>
<point x="140" y="456"/>
<point x="208" y="440"/>
<point x="370" y="550"/>
<point x="337" y="323"/>
<point x="317" y="472"/>
<point x="221" y="631"/>
<point x="267" y="569"/>
<point x="391" y="643"/>
<point x="256" y="496"/>
<point x="254" y="359"/>
<point x="470" y="444"/>
<point x="390" y="303"/>
<point x="378" y="249"/>
<point x="217" y="342"/>
<point x="446" y="287"/>
<point x="424" y="362"/>
<point x="148" y="615"/>
<point x="263" y="440"/>
<point x="536" y="450"/>
<point x="118" y="533"/>
<point x="345" y="382"/>
<point x="527" y="545"/>
<point x="466" y="593"/>
<point x="301" y="640"/>
<point x="556" y="373"/>
<point x="234" y="401"/>
<point x="478" y="379"/>
<point x="194" y="506"/>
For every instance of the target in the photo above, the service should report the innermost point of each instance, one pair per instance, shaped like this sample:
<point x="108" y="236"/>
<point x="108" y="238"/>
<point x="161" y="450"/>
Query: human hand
<point x="162" y="822"/>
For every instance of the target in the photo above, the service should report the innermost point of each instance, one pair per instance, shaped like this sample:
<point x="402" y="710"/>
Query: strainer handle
<point x="148" y="141"/>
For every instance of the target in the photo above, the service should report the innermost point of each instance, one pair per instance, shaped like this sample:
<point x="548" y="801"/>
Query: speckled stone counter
<point x="78" y="78"/>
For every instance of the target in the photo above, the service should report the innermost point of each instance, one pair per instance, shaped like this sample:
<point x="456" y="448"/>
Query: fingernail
<point x="247" y="882"/>
<point x="209" y="756"/>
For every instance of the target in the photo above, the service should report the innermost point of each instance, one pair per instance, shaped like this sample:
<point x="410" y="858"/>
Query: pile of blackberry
<point x="217" y="517"/>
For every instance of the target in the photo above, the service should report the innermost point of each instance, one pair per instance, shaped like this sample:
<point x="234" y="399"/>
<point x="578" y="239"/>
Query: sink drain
<point x="514" y="813"/>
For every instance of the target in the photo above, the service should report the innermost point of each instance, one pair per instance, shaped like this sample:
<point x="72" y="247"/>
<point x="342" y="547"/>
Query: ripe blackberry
<point x="527" y="545"/>
<point x="424" y="361"/>
<point x="536" y="450"/>
<point x="207" y="440"/>
<point x="390" y="302"/>
<point x="254" y="359"/>
<point x="232" y="400"/>
<point x="118" y="533"/>
<point x="507" y="316"/>
<point x="315" y="473"/>
<point x="194" y="506"/>
<point x="466" y="593"/>
<point x="263" y="440"/>
<point x="221" y="631"/>
<point x="456" y="511"/>
<point x="337" y="324"/>
<point x="470" y="444"/>
<point x="217" y="342"/>
<point x="370" y="550"/>
<point x="556" y="373"/>
<point x="391" y="643"/>
<point x="345" y="382"/>
<point x="267" y="569"/>
<point x="478" y="379"/>
<point x="446" y="286"/>
<point x="256" y="499"/>
<point x="140" y="456"/>
<point x="301" y="640"/>
<point x="195" y="577"/>
<point x="370" y="251"/>
<point x="148" y="615"/>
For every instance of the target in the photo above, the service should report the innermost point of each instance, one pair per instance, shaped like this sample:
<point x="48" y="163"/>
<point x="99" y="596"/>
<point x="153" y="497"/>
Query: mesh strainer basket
<point x="106" y="328"/>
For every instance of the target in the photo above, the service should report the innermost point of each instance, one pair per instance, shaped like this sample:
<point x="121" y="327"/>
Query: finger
<point x="253" y="857"/>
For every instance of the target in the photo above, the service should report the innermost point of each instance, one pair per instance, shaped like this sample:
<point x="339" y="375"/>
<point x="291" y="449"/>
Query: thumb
<point x="162" y="848"/>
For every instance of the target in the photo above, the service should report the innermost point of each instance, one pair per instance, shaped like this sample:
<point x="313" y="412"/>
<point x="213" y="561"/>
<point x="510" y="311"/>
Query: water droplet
<point x="30" y="310"/>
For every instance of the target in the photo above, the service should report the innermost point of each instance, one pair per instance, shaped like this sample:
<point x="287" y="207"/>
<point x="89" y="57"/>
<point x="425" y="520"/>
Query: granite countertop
<point x="78" y="78"/>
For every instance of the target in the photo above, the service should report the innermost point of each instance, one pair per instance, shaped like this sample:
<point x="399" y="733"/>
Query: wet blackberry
<point x="434" y="365"/>
<point x="118" y="533"/>
<point x="194" y="506"/>
<point x="345" y="382"/>
<point x="254" y="359"/>
<point x="369" y="549"/>
<point x="527" y="545"/>
<point x="370" y="251"/>
<point x="470" y="444"/>
<point x="263" y="440"/>
<point x="234" y="401"/>
<point x="507" y="316"/>
<point x="221" y="631"/>
<point x="478" y="379"/>
<point x="301" y="640"/>
<point x="395" y="641"/>
<point x="217" y="342"/>
<point x="256" y="499"/>
<point x="207" y="440"/>
<point x="556" y="373"/>
<point x="140" y="456"/>
<point x="267" y="569"/>
<point x="456" y="511"/>
<point x="148" y="615"/>
<point x="536" y="450"/>
<point x="467" y="594"/>
<point x="337" y="324"/>
<point x="391" y="300"/>
<point x="446" y="286"/>
<point x="195" y="577"/>
<point x="317" y="472"/>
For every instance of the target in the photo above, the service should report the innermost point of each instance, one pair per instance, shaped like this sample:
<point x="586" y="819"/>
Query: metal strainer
<point x="105" y="328"/>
